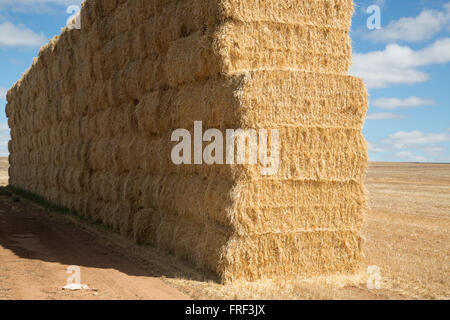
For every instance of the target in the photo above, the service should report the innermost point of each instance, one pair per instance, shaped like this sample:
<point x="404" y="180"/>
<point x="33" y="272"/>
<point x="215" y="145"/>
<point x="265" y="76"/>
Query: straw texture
<point x="91" y="123"/>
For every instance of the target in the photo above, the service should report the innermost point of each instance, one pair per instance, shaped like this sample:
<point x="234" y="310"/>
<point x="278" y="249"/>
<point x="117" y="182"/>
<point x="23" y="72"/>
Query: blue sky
<point x="405" y="65"/>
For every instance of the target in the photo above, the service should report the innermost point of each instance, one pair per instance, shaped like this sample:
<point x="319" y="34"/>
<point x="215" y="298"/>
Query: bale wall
<point x="91" y="124"/>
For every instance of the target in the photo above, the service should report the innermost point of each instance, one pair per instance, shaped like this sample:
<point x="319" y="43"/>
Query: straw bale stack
<point x="91" y="123"/>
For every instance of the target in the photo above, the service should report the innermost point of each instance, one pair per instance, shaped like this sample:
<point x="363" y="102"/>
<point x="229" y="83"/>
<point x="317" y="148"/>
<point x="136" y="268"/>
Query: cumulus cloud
<point x="3" y="92"/>
<point x="404" y="140"/>
<point x="363" y="7"/>
<point x="410" y="157"/>
<point x="414" y="29"/>
<point x="4" y="126"/>
<point x="37" y="6"/>
<point x="383" y="116"/>
<point x="34" y="2"/>
<point x="380" y="3"/>
<point x="4" y="139"/>
<point x="398" y="64"/>
<point x="19" y="36"/>
<point x="403" y="145"/>
<point x="394" y="103"/>
<point x="434" y="150"/>
<point x="375" y="148"/>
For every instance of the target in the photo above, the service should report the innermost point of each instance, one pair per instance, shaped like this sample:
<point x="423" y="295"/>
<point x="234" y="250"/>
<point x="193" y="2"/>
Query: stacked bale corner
<point x="91" y="124"/>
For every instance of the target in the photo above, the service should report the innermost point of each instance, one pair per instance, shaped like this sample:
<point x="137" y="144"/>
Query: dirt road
<point x="36" y="250"/>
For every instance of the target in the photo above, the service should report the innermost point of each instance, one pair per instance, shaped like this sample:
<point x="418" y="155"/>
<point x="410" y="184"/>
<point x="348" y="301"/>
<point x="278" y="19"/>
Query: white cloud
<point x="383" y="116"/>
<point x="398" y="64"/>
<point x="3" y="92"/>
<point x="409" y="156"/>
<point x="4" y="139"/>
<point x="404" y="140"/>
<point x="401" y="144"/>
<point x="19" y="36"/>
<point x="35" y="2"/>
<point x="414" y="29"/>
<point x="363" y="8"/>
<point x="380" y="3"/>
<point x="394" y="103"/>
<point x="375" y="148"/>
<point x="413" y="146"/>
<point x="37" y="6"/>
<point x="434" y="150"/>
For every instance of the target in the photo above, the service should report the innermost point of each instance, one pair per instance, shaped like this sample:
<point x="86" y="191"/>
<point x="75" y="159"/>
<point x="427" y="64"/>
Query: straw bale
<point x="108" y="6"/>
<point x="195" y="242"/>
<point x="123" y="19"/>
<point x="238" y="47"/>
<point x="145" y="226"/>
<point x="273" y="254"/>
<point x="269" y="45"/>
<point x="249" y="208"/>
<point x="88" y="15"/>
<point x="336" y="13"/>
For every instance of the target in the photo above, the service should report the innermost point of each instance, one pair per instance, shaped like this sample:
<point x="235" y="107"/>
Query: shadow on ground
<point x="31" y="232"/>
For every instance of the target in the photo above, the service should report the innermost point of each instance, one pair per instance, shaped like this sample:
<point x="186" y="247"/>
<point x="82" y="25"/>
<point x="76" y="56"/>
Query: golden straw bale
<point x="92" y="118"/>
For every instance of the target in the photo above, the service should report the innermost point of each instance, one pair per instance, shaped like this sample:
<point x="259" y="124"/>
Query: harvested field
<point x="406" y="232"/>
<point x="4" y="166"/>
<point x="408" y="228"/>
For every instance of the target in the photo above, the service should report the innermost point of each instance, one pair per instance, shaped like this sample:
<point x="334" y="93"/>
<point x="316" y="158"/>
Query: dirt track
<point x="36" y="249"/>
